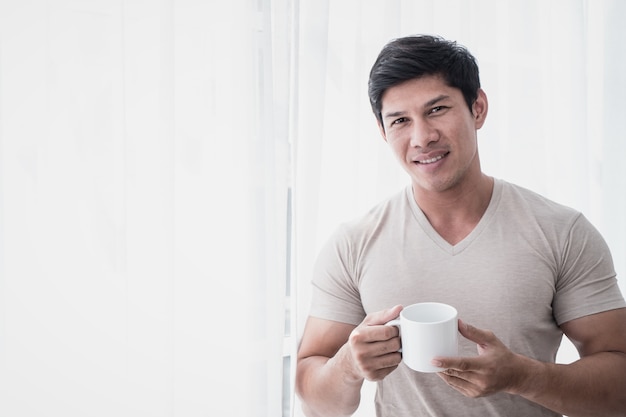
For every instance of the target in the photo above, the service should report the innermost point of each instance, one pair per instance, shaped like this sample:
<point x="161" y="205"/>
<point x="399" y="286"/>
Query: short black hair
<point x="415" y="56"/>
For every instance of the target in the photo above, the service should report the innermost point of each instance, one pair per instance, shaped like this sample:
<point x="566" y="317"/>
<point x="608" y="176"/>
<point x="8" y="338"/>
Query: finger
<point x="372" y="329"/>
<point x="383" y="316"/>
<point x="457" y="374"/>
<point x="454" y="365"/>
<point x="476" y="335"/>
<point x="454" y="379"/>
<point x="380" y="374"/>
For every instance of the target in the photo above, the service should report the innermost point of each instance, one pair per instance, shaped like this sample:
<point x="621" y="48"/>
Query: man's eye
<point x="437" y="109"/>
<point x="398" y="121"/>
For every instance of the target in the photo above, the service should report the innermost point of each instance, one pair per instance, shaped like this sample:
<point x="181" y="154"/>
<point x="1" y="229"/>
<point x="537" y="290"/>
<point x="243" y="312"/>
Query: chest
<point x="496" y="284"/>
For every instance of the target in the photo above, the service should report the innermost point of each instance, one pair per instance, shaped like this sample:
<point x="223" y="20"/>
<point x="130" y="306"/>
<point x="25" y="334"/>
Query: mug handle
<point x="396" y="322"/>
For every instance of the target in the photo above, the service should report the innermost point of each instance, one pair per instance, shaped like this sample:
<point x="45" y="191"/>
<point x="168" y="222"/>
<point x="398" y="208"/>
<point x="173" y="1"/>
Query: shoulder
<point x="538" y="203"/>
<point x="518" y="201"/>
<point x="388" y="211"/>
<point x="353" y="237"/>
<point x="548" y="225"/>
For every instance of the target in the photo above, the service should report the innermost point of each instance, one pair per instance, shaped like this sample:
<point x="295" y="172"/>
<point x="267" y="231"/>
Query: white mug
<point x="427" y="330"/>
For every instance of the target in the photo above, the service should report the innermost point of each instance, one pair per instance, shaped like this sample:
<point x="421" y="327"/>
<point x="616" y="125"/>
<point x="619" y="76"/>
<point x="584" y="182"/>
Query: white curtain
<point x="554" y="75"/>
<point x="143" y="207"/>
<point x="148" y="150"/>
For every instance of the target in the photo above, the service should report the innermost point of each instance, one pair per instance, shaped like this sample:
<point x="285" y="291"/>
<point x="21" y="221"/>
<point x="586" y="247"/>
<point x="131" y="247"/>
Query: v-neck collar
<point x="467" y="240"/>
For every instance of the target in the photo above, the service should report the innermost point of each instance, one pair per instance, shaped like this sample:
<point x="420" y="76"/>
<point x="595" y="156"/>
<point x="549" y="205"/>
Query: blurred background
<point x="169" y="170"/>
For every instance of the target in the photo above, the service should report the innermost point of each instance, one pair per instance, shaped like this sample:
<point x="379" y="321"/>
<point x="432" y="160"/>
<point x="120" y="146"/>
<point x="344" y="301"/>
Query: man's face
<point x="433" y="133"/>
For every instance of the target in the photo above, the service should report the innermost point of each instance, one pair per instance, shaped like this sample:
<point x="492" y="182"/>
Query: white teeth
<point x="431" y="160"/>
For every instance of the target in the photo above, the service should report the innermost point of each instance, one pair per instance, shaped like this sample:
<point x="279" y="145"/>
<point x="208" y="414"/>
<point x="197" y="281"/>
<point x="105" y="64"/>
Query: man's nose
<point x="423" y="134"/>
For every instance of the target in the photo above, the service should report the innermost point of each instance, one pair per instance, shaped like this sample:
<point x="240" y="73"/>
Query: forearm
<point x="326" y="387"/>
<point x="592" y="386"/>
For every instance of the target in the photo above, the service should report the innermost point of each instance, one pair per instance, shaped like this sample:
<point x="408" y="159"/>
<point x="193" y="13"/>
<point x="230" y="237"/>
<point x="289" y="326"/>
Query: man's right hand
<point x="373" y="347"/>
<point x="335" y="358"/>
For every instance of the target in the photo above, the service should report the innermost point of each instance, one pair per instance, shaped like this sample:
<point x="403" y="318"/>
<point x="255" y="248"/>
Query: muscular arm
<point x="324" y="382"/>
<point x="591" y="386"/>
<point x="595" y="384"/>
<point x="335" y="358"/>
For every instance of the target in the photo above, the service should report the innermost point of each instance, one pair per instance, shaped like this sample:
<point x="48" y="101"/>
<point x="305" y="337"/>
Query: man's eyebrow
<point x="429" y="103"/>
<point x="436" y="100"/>
<point x="394" y="114"/>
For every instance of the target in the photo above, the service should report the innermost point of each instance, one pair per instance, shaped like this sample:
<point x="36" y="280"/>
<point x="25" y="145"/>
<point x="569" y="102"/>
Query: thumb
<point x="383" y="316"/>
<point x="479" y="336"/>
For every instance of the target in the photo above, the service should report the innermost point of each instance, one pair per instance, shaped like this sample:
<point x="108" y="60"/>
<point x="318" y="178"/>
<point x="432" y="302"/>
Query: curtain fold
<point x="144" y="163"/>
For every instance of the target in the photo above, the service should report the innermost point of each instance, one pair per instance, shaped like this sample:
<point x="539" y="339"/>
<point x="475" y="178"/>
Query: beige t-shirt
<point x="529" y="265"/>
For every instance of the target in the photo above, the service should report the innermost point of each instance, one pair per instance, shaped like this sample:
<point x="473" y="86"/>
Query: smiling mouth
<point x="432" y="160"/>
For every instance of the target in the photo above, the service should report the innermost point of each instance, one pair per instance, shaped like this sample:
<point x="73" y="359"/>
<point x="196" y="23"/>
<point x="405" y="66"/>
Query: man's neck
<point x="455" y="213"/>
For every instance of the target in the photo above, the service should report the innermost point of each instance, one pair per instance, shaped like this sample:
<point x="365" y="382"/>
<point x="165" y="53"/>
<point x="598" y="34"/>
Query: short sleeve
<point x="335" y="290"/>
<point x="586" y="283"/>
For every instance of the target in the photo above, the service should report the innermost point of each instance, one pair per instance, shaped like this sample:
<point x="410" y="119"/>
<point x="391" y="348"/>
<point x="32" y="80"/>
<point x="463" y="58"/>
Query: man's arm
<point x="335" y="358"/>
<point x="591" y="386"/>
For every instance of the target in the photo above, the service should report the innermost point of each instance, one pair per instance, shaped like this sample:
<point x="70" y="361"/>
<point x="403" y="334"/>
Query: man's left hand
<point x="495" y="368"/>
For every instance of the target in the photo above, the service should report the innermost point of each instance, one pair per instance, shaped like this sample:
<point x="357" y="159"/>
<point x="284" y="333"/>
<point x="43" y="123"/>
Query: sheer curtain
<point x="147" y="178"/>
<point x="143" y="207"/>
<point x="553" y="73"/>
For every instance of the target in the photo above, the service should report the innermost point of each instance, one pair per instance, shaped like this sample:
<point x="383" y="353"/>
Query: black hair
<point x="416" y="56"/>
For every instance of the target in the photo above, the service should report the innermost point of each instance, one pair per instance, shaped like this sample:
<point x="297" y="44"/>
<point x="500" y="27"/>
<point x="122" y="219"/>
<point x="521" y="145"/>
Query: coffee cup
<point x="427" y="330"/>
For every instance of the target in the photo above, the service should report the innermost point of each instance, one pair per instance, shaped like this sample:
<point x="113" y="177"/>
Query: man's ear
<point x="480" y="108"/>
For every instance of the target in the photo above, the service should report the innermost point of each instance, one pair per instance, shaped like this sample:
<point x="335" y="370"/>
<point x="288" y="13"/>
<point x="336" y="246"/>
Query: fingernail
<point x="437" y="363"/>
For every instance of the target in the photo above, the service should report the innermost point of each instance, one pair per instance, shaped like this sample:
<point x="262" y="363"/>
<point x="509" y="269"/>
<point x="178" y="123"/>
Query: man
<point x="509" y="260"/>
